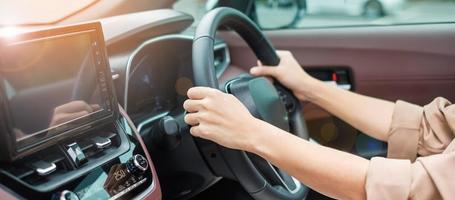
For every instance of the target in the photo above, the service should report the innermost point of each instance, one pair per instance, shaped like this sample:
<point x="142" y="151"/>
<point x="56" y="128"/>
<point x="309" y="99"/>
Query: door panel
<point x="415" y="63"/>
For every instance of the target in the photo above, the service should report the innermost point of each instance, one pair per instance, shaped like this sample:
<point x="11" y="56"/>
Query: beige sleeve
<point x="415" y="130"/>
<point x="419" y="130"/>
<point x="429" y="177"/>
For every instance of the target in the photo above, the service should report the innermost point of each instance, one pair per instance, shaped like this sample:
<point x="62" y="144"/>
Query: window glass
<point x="274" y="14"/>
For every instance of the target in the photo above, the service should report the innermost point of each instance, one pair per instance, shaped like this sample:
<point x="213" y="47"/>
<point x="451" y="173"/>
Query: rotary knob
<point x="67" y="195"/>
<point x="137" y="164"/>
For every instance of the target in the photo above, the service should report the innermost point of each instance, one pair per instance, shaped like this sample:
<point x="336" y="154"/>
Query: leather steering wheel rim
<point x="204" y="75"/>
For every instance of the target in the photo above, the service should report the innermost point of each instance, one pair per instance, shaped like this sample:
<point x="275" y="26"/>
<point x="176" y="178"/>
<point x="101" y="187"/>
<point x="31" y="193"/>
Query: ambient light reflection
<point x="9" y="31"/>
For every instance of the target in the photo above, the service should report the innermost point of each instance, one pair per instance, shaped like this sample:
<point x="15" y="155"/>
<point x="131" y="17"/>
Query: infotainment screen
<point x="51" y="84"/>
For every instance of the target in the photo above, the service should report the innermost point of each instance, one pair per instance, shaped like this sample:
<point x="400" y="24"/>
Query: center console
<point x="62" y="133"/>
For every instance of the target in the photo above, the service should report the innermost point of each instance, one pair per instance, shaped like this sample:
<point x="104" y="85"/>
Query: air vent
<point x="91" y="150"/>
<point x="222" y="58"/>
<point x="48" y="166"/>
<point x="26" y="170"/>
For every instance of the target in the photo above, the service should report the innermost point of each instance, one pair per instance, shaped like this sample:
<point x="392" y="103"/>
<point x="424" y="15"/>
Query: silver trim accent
<point x="46" y="171"/>
<point x="72" y="152"/>
<point x="150" y="120"/>
<point x="311" y="140"/>
<point x="120" y="194"/>
<point x="345" y="86"/>
<point x="229" y="83"/>
<point x="64" y="192"/>
<point x="297" y="183"/>
<point x="136" y="164"/>
<point x="227" y="57"/>
<point x="342" y="86"/>
<point x="147" y="191"/>
<point x="102" y="145"/>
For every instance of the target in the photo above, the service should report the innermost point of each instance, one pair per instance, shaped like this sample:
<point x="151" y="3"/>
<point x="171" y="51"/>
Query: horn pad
<point x="261" y="98"/>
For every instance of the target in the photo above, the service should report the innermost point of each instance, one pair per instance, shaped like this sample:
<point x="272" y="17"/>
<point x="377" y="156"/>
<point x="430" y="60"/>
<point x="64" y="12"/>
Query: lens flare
<point x="9" y="31"/>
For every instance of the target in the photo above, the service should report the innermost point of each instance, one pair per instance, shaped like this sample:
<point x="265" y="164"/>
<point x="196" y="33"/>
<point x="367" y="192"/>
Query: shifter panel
<point x="121" y="179"/>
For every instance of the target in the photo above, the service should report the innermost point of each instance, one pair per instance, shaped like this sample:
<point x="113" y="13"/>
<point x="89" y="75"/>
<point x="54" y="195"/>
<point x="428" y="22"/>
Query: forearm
<point x="329" y="171"/>
<point x="369" y="115"/>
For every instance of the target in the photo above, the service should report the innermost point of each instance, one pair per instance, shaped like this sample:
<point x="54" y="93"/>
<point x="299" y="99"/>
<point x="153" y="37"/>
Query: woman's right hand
<point x="289" y="73"/>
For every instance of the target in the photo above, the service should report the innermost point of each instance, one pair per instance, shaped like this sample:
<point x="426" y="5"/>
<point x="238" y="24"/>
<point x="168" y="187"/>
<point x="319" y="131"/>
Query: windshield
<point x="38" y="12"/>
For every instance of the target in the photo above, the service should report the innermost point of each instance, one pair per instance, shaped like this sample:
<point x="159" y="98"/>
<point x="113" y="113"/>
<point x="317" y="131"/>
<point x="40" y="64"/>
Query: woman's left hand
<point x="221" y="118"/>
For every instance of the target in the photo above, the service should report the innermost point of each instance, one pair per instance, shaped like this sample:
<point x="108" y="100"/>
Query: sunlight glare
<point x="9" y="31"/>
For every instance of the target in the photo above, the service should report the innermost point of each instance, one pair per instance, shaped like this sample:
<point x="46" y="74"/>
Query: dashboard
<point x="159" y="74"/>
<point x="154" y="76"/>
<point x="141" y="148"/>
<point x="84" y="146"/>
<point x="149" y="59"/>
<point x="151" y="154"/>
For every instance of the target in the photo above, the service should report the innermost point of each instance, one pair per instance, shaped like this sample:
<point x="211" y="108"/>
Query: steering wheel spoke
<point x="275" y="176"/>
<point x="286" y="180"/>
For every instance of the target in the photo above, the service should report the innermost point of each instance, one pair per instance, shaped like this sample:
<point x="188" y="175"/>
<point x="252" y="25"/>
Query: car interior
<point x="92" y="92"/>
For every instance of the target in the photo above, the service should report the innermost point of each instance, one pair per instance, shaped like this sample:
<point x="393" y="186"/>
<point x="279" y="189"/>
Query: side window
<point x="333" y="13"/>
<point x="295" y="14"/>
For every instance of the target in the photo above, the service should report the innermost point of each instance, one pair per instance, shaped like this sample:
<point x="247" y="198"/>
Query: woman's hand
<point x="221" y="118"/>
<point x="289" y="73"/>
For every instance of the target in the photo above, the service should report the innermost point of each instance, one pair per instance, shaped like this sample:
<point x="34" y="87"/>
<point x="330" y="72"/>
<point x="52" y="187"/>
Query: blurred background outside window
<point x="276" y="14"/>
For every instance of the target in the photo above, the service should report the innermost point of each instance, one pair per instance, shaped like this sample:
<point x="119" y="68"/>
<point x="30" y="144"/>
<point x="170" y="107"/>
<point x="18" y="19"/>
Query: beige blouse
<point x="421" y="154"/>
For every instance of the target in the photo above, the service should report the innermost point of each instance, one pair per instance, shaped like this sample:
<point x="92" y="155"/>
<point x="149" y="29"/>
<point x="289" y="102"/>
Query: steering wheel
<point x="267" y="101"/>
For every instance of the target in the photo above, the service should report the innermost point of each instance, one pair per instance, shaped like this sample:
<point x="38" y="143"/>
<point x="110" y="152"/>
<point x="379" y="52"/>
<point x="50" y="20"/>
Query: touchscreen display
<point x="49" y="83"/>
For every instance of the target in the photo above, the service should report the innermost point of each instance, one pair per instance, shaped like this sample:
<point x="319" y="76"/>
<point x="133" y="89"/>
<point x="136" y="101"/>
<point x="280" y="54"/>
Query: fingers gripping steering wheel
<point x="267" y="101"/>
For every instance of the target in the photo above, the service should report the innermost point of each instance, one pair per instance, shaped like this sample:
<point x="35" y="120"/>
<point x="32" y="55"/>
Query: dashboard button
<point x="101" y="142"/>
<point x="43" y="168"/>
<point x="77" y="155"/>
<point x="138" y="164"/>
<point x="68" y="195"/>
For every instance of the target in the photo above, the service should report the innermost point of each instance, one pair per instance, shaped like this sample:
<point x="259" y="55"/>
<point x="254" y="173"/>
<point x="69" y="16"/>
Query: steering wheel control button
<point x="44" y="168"/>
<point x="101" y="142"/>
<point x="138" y="164"/>
<point x="67" y="195"/>
<point x="261" y="98"/>
<point x="76" y="154"/>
